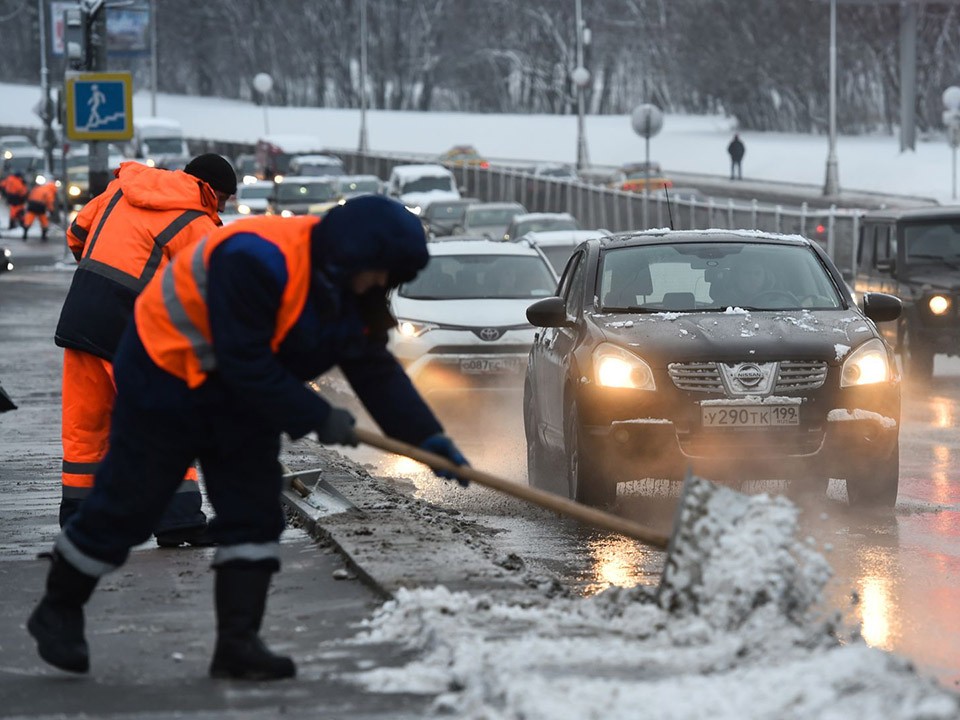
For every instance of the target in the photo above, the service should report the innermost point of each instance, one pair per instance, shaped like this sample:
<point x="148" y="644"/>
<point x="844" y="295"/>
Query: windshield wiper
<point x="638" y="309"/>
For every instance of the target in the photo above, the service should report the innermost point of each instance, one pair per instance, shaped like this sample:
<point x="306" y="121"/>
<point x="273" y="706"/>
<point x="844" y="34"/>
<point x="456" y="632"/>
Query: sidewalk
<point x="151" y="624"/>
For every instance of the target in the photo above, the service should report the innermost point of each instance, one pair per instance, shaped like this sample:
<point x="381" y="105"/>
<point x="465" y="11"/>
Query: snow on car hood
<point x="483" y="312"/>
<point x="738" y="334"/>
<point x="422" y="199"/>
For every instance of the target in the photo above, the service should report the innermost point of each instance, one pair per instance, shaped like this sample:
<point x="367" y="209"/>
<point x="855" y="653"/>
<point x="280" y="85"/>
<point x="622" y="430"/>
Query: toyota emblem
<point x="489" y="334"/>
<point x="749" y="375"/>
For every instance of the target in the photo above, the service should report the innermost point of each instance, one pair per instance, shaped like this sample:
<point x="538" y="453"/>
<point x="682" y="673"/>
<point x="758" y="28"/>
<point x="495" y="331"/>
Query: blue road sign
<point x="99" y="106"/>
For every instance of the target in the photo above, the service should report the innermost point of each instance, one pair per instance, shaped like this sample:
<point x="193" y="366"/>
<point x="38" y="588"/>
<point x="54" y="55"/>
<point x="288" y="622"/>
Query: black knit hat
<point x="215" y="170"/>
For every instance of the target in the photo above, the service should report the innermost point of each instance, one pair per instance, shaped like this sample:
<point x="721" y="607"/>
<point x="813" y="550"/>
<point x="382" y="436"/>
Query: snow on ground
<point x="755" y="644"/>
<point x="694" y="144"/>
<point x="746" y="640"/>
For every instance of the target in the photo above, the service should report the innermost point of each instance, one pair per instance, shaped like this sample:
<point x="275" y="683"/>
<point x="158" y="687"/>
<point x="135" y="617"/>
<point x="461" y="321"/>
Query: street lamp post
<point x="832" y="184"/>
<point x="263" y="84"/>
<point x="581" y="78"/>
<point x="951" y="119"/>
<point x="647" y="121"/>
<point x="363" y="77"/>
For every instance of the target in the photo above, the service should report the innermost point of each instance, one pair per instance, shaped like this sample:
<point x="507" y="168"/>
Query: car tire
<point x="874" y="485"/>
<point x="586" y="481"/>
<point x="917" y="359"/>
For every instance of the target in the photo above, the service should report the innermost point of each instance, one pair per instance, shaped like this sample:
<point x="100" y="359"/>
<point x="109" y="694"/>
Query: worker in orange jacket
<point x="121" y="239"/>
<point x="213" y="368"/>
<point x="40" y="201"/>
<point x="15" y="192"/>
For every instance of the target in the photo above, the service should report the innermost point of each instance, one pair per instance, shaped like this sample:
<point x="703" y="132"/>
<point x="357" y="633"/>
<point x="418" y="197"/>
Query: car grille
<point x="705" y="376"/>
<point x="488" y="349"/>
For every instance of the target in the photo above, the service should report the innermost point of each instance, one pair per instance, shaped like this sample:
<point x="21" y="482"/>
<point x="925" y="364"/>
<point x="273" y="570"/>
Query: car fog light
<point x="866" y="365"/>
<point x="938" y="304"/>
<point x="618" y="368"/>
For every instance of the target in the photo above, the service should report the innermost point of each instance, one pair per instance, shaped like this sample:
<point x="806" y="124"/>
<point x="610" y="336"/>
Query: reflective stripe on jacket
<point x="121" y="239"/>
<point x="172" y="317"/>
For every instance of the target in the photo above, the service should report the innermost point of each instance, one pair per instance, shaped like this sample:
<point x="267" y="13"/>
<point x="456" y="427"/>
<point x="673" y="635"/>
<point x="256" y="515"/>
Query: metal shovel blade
<point x="308" y="488"/>
<point x="705" y="511"/>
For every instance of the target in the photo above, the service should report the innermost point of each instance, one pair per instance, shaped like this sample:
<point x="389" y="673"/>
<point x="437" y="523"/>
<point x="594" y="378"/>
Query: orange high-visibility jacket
<point x="16" y="190"/>
<point x="121" y="239"/>
<point x="172" y="317"/>
<point x="45" y="194"/>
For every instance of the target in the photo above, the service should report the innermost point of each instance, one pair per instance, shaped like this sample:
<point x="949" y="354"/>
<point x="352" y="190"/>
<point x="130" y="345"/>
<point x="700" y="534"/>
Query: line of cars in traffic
<point x="740" y="354"/>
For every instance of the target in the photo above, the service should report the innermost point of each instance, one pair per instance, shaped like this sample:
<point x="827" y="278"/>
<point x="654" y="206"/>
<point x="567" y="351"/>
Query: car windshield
<point x="701" y="277"/>
<point x="21" y="163"/>
<point x="293" y="192"/>
<point x="446" y="211"/>
<point x="463" y="277"/>
<point x="320" y="169"/>
<point x="545" y="224"/>
<point x="428" y="183"/>
<point x="246" y="165"/>
<point x="253" y="192"/>
<point x="561" y="172"/>
<point x="164" y="146"/>
<point x="932" y="242"/>
<point x="360" y="186"/>
<point x="478" y="217"/>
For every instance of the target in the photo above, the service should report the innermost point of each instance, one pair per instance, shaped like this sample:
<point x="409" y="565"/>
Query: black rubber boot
<point x="240" y="594"/>
<point x="57" y="621"/>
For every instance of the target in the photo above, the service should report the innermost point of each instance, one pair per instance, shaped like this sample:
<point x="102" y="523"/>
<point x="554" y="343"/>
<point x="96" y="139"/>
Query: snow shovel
<point x="705" y="511"/>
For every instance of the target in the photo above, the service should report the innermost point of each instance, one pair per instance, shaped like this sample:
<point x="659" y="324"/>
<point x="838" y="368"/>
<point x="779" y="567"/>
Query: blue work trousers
<point x="158" y="428"/>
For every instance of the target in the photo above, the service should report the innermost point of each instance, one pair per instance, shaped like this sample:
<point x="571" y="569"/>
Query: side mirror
<point x="549" y="312"/>
<point x="881" y="307"/>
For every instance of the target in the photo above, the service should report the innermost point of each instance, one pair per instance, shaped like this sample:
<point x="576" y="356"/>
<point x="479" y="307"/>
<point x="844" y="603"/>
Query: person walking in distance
<point x="736" y="150"/>
<point x="40" y="202"/>
<point x="121" y="239"/>
<point x="214" y="368"/>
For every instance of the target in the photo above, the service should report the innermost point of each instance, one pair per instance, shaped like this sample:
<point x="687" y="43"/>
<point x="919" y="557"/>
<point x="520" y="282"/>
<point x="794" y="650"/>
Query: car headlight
<point x="415" y="209"/>
<point x="73" y="191"/>
<point x="6" y="252"/>
<point x="286" y="213"/>
<point x="40" y="179"/>
<point x="413" y="328"/>
<point x="243" y="209"/>
<point x="250" y="179"/>
<point x="151" y="162"/>
<point x="866" y="365"/>
<point x="278" y="178"/>
<point x="938" y="304"/>
<point x="617" y="368"/>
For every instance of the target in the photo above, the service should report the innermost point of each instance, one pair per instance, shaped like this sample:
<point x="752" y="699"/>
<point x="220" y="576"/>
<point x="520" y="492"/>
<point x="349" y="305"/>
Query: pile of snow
<point x="754" y="644"/>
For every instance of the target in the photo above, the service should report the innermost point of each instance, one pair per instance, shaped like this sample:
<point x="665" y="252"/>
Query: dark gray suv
<point x="915" y="255"/>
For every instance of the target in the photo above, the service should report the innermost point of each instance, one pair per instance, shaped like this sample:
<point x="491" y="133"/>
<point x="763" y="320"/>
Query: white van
<point x="416" y="186"/>
<point x="159" y="142"/>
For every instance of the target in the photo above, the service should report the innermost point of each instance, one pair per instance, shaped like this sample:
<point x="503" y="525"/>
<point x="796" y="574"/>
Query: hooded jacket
<point x="265" y="304"/>
<point x="121" y="239"/>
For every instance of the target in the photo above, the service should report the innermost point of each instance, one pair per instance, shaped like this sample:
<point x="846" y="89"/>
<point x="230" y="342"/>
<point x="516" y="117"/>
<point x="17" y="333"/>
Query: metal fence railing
<point x="598" y="206"/>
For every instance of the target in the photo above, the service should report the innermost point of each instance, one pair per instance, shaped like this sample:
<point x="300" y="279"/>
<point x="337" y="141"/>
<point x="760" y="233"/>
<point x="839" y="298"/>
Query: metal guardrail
<point x="598" y="206"/>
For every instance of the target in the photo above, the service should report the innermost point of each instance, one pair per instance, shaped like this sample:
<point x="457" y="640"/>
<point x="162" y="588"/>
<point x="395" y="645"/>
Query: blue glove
<point x="442" y="445"/>
<point x="337" y="429"/>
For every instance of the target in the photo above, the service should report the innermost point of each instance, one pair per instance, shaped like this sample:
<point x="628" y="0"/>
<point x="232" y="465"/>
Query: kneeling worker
<point x="213" y="369"/>
<point x="40" y="203"/>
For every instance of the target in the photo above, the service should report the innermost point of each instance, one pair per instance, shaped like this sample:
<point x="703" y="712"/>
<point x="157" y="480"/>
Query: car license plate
<point x="490" y="366"/>
<point x="750" y="415"/>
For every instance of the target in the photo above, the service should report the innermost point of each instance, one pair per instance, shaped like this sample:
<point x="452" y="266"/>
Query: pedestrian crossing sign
<point x="99" y="106"/>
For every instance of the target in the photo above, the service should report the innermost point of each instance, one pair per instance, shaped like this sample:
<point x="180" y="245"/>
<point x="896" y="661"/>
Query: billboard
<point x="128" y="29"/>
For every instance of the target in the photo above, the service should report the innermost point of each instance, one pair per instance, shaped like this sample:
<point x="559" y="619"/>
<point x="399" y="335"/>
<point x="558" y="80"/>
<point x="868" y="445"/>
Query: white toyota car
<point x="462" y="322"/>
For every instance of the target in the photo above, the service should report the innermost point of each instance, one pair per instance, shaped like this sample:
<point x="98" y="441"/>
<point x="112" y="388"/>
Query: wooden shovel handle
<point x="583" y="513"/>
